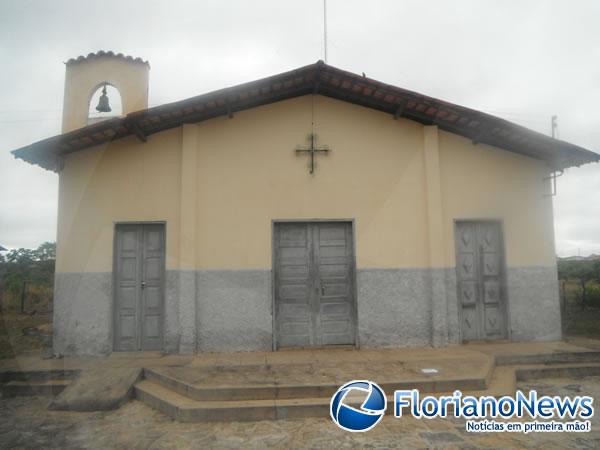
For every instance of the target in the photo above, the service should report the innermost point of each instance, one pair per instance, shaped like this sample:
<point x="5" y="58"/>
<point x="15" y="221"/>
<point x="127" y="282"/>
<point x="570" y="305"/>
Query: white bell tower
<point x="85" y="74"/>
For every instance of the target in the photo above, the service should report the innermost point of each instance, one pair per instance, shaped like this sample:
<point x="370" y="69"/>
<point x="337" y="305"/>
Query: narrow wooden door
<point x="314" y="284"/>
<point x="480" y="270"/>
<point x="139" y="270"/>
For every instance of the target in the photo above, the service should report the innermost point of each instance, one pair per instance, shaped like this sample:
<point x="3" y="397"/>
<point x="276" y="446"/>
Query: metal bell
<point x="103" y="105"/>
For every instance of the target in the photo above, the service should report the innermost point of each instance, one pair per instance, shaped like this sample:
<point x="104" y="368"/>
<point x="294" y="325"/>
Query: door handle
<point x="143" y="284"/>
<point x="322" y="290"/>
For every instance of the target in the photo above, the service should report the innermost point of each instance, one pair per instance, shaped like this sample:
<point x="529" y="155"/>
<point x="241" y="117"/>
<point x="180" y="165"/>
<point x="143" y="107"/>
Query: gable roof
<point x="322" y="79"/>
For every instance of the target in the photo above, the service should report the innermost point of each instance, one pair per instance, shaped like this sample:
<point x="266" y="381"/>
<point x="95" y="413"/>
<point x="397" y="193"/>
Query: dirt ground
<point x="25" y="423"/>
<point x="15" y="341"/>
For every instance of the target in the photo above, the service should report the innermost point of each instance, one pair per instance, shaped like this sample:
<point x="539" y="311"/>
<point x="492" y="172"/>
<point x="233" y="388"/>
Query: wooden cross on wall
<point x="312" y="150"/>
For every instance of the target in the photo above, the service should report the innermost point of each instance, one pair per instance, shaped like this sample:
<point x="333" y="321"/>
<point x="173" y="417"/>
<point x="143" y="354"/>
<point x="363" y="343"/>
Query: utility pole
<point x="555" y="127"/>
<point x="325" y="29"/>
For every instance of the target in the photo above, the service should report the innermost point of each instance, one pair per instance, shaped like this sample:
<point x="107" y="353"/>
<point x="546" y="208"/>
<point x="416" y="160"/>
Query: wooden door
<point x="480" y="270"/>
<point x="314" y="284"/>
<point x="139" y="270"/>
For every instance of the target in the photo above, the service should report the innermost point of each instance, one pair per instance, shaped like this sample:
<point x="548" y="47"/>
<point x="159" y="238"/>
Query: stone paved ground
<point x="25" y="423"/>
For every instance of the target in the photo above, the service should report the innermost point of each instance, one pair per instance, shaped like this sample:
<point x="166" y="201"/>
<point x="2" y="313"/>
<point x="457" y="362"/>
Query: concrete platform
<point x="35" y="362"/>
<point x="309" y="380"/>
<point x="98" y="390"/>
<point x="299" y="383"/>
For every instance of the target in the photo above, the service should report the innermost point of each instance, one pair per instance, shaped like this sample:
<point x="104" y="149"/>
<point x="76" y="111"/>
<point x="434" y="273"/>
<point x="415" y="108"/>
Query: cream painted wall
<point x="126" y="180"/>
<point x="249" y="174"/>
<point x="245" y="173"/>
<point x="480" y="181"/>
<point x="83" y="78"/>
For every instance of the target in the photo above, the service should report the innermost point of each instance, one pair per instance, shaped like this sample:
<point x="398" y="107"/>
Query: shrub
<point x="593" y="296"/>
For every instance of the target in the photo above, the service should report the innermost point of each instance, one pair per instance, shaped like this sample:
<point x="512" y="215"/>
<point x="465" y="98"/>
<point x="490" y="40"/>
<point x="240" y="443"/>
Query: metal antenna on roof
<point x="325" y="29"/>
<point x="558" y="172"/>
<point x="555" y="127"/>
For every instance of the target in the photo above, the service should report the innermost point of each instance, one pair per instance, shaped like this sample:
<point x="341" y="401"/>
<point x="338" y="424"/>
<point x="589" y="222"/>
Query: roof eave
<point x="320" y="79"/>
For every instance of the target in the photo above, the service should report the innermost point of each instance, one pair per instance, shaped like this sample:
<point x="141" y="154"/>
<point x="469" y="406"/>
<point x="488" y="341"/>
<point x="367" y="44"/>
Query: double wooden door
<point x="139" y="274"/>
<point x="480" y="268"/>
<point x="314" y="283"/>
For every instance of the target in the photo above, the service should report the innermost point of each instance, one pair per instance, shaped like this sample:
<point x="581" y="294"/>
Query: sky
<point x="521" y="60"/>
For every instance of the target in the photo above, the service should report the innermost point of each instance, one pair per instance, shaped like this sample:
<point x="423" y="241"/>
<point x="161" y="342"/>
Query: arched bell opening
<point x="105" y="103"/>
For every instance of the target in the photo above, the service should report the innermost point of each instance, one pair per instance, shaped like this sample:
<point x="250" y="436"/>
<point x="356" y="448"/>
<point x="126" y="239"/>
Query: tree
<point x="23" y="266"/>
<point x="21" y="256"/>
<point x="45" y="252"/>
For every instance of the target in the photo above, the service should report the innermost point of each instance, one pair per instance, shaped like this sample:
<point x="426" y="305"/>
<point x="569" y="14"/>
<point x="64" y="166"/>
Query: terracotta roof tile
<point x="328" y="81"/>
<point x="102" y="53"/>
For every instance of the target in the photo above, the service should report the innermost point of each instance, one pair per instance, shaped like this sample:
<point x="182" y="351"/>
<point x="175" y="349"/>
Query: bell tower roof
<point x="102" y="53"/>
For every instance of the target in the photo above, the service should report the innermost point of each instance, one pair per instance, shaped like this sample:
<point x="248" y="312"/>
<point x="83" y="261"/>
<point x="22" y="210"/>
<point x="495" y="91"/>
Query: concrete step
<point x="548" y="358"/>
<point x="577" y="370"/>
<point x="176" y="398"/>
<point x="190" y="394"/>
<point x="503" y="382"/>
<point x="302" y="391"/>
<point x="29" y="388"/>
<point x="38" y="375"/>
<point x="184" y="409"/>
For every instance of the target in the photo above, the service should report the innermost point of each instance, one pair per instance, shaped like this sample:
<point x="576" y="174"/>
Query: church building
<point x="315" y="207"/>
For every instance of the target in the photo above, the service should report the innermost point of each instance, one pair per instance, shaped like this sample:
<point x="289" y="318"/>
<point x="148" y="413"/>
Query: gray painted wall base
<point x="439" y="306"/>
<point x="186" y="311"/>
<point x="393" y="308"/>
<point x="452" y="320"/>
<point x="180" y="311"/>
<point x="172" y="310"/>
<point x="534" y="305"/>
<point x="234" y="310"/>
<point x="231" y="310"/>
<point x="82" y="313"/>
<point x="396" y="307"/>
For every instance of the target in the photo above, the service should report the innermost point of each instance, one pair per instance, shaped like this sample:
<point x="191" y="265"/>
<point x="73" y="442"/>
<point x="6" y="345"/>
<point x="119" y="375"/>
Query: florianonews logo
<point x="358" y="405"/>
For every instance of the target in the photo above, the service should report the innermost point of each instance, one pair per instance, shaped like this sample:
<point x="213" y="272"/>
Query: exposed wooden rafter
<point x="135" y="128"/>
